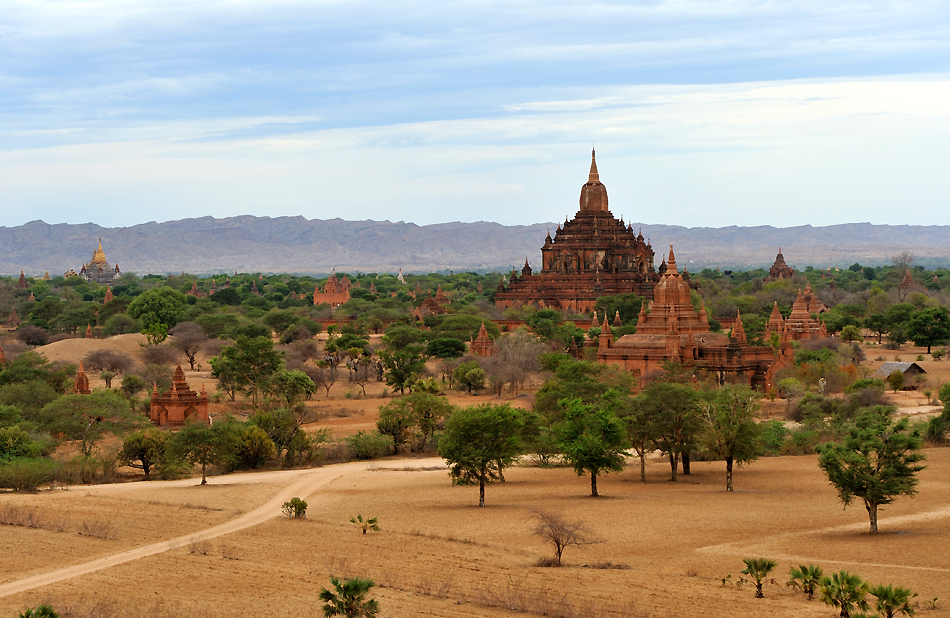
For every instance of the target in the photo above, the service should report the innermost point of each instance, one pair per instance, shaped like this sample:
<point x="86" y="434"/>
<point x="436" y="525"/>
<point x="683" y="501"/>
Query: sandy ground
<point x="440" y="555"/>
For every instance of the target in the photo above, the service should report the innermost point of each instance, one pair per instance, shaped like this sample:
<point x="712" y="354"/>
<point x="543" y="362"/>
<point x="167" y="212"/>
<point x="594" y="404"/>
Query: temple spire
<point x="594" y="176"/>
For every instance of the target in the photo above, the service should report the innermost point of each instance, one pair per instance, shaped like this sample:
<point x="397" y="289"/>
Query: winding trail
<point x="309" y="481"/>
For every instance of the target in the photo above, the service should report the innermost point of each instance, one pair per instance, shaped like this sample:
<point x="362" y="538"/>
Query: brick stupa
<point x="593" y="255"/>
<point x="179" y="405"/>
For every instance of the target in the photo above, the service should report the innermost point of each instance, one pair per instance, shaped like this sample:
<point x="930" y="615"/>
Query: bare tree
<point x="190" y="338"/>
<point x="562" y="533"/>
<point x="158" y="354"/>
<point x="109" y="363"/>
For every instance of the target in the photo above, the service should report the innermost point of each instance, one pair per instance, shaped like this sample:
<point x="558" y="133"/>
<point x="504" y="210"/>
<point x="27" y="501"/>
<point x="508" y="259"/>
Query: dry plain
<point x="178" y="549"/>
<point x="439" y="555"/>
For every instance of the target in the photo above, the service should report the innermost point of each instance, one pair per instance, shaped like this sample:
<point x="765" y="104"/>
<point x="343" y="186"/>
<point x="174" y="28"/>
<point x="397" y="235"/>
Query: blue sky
<point x="703" y="113"/>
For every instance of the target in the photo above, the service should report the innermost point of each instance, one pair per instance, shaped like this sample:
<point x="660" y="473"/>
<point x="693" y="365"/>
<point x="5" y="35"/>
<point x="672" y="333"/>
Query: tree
<point x="731" y="433"/>
<point x="562" y="533"/>
<point x="671" y="410"/>
<point x="446" y="347"/>
<point x="470" y="376"/>
<point x="428" y="411"/>
<point x="895" y="380"/>
<point x="87" y="418"/>
<point x="851" y="333"/>
<point x="147" y="447"/>
<point x="592" y="439"/>
<point x="112" y="361"/>
<point x="284" y="427"/>
<point x="844" y="591"/>
<point x="247" y="365"/>
<point x="929" y="327"/>
<point x="158" y="306"/>
<point x="403" y="366"/>
<point x="758" y="569"/>
<point x="295" y="508"/>
<point x="396" y="420"/>
<point x="806" y="578"/>
<point x="203" y="445"/>
<point x="32" y="335"/>
<point x="366" y="524"/>
<point x="877" y="461"/>
<point x="292" y="386"/>
<point x="877" y="324"/>
<point x="190" y="338"/>
<point x="639" y="433"/>
<point x="892" y="600"/>
<point x="349" y="599"/>
<point x="479" y="442"/>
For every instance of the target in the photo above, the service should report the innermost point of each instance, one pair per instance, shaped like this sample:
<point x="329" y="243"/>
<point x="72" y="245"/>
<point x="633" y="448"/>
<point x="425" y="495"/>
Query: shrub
<point x="41" y="611"/>
<point x="774" y="435"/>
<point x="369" y="445"/>
<point x="295" y="508"/>
<point x="27" y="474"/>
<point x="864" y="383"/>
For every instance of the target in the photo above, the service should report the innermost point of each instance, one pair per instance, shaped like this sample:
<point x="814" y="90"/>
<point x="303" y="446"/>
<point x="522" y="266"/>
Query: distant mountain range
<point x="297" y="245"/>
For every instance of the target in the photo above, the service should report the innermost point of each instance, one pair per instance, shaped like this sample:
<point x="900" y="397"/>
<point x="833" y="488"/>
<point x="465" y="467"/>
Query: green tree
<point x="247" y="365"/>
<point x="284" y="427"/>
<point x="929" y="327"/>
<point x="844" y="591"/>
<point x="758" y="569"/>
<point x="144" y="450"/>
<point x="592" y="439"/>
<point x="292" y="386"/>
<point x="403" y="366"/>
<point x="161" y="305"/>
<point x="876" y="462"/>
<point x="87" y="418"/>
<point x="877" y="324"/>
<point x="671" y="410"/>
<point x="851" y="333"/>
<point x="730" y="431"/>
<point x="470" y="376"/>
<point x="639" y="433"/>
<point x="479" y="442"/>
<point x="892" y="600"/>
<point x="446" y="347"/>
<point x="896" y="380"/>
<point x="349" y="598"/>
<point x="370" y="523"/>
<point x="204" y="446"/>
<point x="397" y="421"/>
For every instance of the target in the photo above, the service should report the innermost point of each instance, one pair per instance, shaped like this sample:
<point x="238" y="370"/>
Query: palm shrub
<point x="349" y="599"/>
<point x="366" y="524"/>
<point x="892" y="600"/>
<point x="845" y="591"/>
<point x="42" y="611"/>
<point x="295" y="508"/>
<point x="805" y="578"/>
<point x="758" y="569"/>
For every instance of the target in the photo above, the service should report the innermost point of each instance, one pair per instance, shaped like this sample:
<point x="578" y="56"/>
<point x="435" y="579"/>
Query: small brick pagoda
<point x="180" y="404"/>
<point x="81" y="385"/>
<point x="593" y="255"/>
<point x="779" y="269"/>
<point x="673" y="331"/>
<point x="800" y="325"/>
<point x="482" y="345"/>
<point x="335" y="291"/>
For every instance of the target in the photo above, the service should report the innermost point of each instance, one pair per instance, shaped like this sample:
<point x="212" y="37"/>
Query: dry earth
<point x="178" y="549"/>
<point x="439" y="555"/>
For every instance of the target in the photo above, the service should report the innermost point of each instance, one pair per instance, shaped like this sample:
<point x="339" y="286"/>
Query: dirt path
<point x="308" y="482"/>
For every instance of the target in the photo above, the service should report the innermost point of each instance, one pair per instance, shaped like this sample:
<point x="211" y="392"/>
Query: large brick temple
<point x="594" y="254"/>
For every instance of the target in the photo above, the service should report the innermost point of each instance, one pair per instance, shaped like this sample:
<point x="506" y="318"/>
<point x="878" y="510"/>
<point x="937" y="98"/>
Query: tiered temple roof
<point x="594" y="254"/>
<point x="779" y="269"/>
<point x="180" y="404"/>
<point x="97" y="269"/>
<point x="482" y="345"/>
<point x="671" y="330"/>
<point x="335" y="291"/>
<point x="799" y="325"/>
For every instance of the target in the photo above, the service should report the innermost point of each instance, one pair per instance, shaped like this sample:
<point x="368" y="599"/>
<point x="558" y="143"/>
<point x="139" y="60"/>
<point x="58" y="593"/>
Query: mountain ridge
<point x="293" y="244"/>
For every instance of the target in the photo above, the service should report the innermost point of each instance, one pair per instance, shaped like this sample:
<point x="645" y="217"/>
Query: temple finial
<point x="594" y="176"/>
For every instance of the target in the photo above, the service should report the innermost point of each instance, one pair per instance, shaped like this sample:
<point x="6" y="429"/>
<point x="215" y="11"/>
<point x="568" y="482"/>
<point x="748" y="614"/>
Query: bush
<point x="27" y="474"/>
<point x="41" y="611"/>
<point x="774" y="435"/>
<point x="295" y="508"/>
<point x="864" y="383"/>
<point x="369" y="445"/>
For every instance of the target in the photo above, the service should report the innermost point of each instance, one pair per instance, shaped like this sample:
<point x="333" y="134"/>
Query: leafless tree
<point x="111" y="361"/>
<point x="189" y="339"/>
<point x="158" y="354"/>
<point x="562" y="532"/>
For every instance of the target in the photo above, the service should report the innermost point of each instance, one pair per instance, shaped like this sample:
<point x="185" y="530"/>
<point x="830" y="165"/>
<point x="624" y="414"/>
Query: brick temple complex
<point x="593" y="255"/>
<point x="671" y="330"/>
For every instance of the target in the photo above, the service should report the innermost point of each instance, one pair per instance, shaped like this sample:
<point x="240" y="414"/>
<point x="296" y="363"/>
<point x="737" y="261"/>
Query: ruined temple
<point x="432" y="305"/>
<point x="98" y="269"/>
<point x="592" y="255"/>
<point x="81" y="385"/>
<point x="482" y="345"/>
<point x="800" y="324"/>
<point x="670" y="329"/>
<point x="779" y="269"/>
<point x="180" y="404"/>
<point x="335" y="291"/>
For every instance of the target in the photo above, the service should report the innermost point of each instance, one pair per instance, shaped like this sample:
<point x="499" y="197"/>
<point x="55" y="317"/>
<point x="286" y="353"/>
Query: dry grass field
<point x="439" y="555"/>
<point x="173" y="548"/>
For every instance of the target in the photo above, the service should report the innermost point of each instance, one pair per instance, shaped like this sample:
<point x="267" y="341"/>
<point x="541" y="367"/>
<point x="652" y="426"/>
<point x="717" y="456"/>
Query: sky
<point x="703" y="113"/>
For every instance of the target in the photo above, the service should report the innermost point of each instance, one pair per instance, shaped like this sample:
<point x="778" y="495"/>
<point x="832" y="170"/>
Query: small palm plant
<point x="349" y="599"/>
<point x="758" y="569"/>
<point x="893" y="600"/>
<point x="845" y="591"/>
<point x="42" y="611"/>
<point x="366" y="524"/>
<point x="805" y="578"/>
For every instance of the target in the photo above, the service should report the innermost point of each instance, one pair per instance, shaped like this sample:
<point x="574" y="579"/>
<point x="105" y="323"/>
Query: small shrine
<point x="335" y="291"/>
<point x="779" y="269"/>
<point x="180" y="404"/>
<point x="81" y="385"/>
<point x="482" y="345"/>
